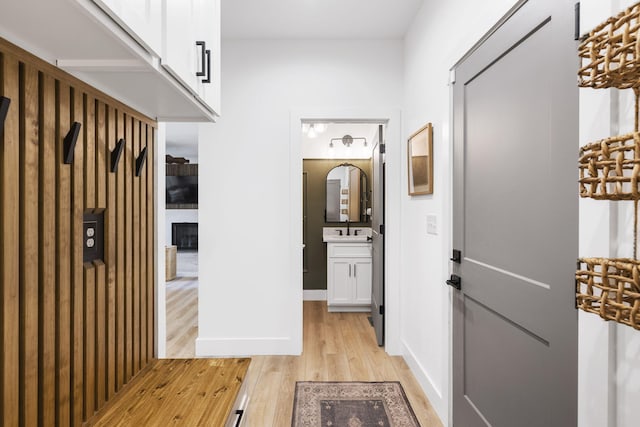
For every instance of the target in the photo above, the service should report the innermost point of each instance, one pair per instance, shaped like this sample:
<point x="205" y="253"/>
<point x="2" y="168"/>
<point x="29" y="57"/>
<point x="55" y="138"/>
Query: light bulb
<point x="305" y="127"/>
<point x="312" y="132"/>
<point x="320" y="127"/>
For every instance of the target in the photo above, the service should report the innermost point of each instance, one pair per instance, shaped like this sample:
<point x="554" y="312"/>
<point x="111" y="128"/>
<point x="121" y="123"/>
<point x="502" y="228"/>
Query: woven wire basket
<point x="610" y="55"/>
<point x="610" y="288"/>
<point x="610" y="168"/>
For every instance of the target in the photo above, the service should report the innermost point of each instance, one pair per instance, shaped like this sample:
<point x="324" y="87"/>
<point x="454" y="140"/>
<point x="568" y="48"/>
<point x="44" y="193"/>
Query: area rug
<point x="351" y="404"/>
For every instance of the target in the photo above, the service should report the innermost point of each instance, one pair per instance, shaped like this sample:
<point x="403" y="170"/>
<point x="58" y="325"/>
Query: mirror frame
<point x="420" y="168"/>
<point x="363" y="217"/>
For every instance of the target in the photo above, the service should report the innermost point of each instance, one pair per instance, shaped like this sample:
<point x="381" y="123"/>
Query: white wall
<point x="433" y="45"/>
<point x="250" y="299"/>
<point x="608" y="369"/>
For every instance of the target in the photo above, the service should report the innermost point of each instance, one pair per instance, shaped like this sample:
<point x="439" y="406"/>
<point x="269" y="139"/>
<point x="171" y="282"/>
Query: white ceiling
<point x="317" y="19"/>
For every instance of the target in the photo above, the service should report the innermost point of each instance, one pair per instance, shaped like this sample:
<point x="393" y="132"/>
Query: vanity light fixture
<point x="347" y="140"/>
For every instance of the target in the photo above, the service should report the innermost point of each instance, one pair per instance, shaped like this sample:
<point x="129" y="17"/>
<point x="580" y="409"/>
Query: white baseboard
<point x="314" y="294"/>
<point x="432" y="391"/>
<point x="243" y="347"/>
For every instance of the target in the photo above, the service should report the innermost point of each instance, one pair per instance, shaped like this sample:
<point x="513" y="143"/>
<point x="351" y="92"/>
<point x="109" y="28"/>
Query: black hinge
<point x="382" y="148"/>
<point x="382" y="310"/>
<point x="576" y="30"/>
<point x="382" y="229"/>
<point x="4" y="110"/>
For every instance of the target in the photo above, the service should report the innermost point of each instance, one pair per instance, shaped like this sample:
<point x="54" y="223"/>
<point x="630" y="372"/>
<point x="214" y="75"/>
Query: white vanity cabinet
<point x="349" y="276"/>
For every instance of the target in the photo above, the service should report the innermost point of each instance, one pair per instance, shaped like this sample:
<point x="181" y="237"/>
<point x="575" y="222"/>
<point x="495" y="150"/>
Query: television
<point x="182" y="190"/>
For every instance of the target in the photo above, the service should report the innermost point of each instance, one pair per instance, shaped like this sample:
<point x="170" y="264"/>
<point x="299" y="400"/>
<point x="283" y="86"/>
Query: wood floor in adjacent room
<point x="182" y="317"/>
<point x="337" y="347"/>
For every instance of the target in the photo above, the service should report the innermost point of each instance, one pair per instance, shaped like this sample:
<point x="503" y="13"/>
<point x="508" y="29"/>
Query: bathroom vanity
<point x="348" y="268"/>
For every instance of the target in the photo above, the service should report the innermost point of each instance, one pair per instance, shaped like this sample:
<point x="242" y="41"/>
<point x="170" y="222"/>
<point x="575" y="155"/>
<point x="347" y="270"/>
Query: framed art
<point x="420" y="161"/>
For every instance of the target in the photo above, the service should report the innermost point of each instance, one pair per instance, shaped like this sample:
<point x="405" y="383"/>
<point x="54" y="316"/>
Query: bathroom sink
<point x="332" y="235"/>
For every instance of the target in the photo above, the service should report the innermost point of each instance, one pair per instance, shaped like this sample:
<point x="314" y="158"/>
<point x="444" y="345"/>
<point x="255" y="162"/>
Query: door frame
<point x="393" y="191"/>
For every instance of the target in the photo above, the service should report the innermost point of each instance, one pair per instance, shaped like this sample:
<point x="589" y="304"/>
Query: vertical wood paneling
<point x="47" y="231"/>
<point x="29" y="166"/>
<point x="101" y="156"/>
<point x="89" y="306"/>
<point x="63" y="257"/>
<point x="9" y="244"/>
<point x="136" y="250"/>
<point x="149" y="169"/>
<point x="128" y="262"/>
<point x="110" y="254"/>
<point x="120" y="245"/>
<point x="77" y="242"/>
<point x="101" y="288"/>
<point x="143" y="251"/>
<point x="71" y="333"/>
<point x="100" y="335"/>
<point x="89" y="345"/>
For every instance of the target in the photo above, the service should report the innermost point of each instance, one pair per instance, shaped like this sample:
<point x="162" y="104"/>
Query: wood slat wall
<point x="72" y="333"/>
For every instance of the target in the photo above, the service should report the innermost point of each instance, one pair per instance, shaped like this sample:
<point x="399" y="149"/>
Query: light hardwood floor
<point x="182" y="317"/>
<point x="337" y="347"/>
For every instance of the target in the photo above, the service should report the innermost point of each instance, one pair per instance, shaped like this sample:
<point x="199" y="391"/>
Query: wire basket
<point x="610" y="168"/>
<point x="610" y="55"/>
<point x="610" y="288"/>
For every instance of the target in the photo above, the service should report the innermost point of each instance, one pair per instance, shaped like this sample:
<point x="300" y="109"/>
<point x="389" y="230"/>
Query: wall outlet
<point x="432" y="225"/>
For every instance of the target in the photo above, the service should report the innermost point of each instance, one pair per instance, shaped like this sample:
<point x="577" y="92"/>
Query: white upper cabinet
<point x="191" y="48"/>
<point x="141" y="52"/>
<point x="141" y="18"/>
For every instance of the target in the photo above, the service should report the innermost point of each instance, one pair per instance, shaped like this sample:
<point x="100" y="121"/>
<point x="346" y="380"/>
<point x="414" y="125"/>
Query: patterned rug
<point x="351" y="404"/>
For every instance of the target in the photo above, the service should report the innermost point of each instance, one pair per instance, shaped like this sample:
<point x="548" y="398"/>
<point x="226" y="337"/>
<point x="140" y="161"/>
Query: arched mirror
<point x="346" y="194"/>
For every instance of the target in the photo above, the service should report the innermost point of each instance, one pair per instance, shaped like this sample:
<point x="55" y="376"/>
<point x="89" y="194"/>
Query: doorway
<point x="515" y="341"/>
<point x="342" y="192"/>
<point x="181" y="225"/>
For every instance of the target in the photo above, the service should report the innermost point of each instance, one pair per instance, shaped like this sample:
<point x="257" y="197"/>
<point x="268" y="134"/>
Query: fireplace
<point x="184" y="235"/>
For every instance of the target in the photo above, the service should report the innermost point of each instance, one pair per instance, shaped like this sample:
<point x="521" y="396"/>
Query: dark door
<point x="377" y="224"/>
<point x="516" y="223"/>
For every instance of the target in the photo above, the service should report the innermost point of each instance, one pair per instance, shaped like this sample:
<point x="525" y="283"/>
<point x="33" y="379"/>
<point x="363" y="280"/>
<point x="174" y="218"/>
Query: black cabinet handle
<point x="203" y="45"/>
<point x="455" y="281"/>
<point x="208" y="79"/>
<point x="457" y="256"/>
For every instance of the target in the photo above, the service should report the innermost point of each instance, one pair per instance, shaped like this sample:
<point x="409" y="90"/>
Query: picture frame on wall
<point x="420" y="161"/>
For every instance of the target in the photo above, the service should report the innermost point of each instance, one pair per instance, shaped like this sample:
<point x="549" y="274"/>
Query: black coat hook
<point x="140" y="161"/>
<point x="4" y="109"/>
<point x="70" y="142"/>
<point x="115" y="155"/>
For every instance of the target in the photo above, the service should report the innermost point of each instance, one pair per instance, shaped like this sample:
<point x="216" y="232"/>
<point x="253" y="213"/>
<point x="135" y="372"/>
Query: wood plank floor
<point x="182" y="317"/>
<point x="337" y="347"/>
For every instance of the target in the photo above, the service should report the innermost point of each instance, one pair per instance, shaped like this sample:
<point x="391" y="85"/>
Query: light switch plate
<point x="432" y="224"/>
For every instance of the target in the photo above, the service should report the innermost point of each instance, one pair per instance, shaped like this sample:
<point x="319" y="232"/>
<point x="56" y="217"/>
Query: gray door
<point x="377" y="224"/>
<point x="516" y="223"/>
